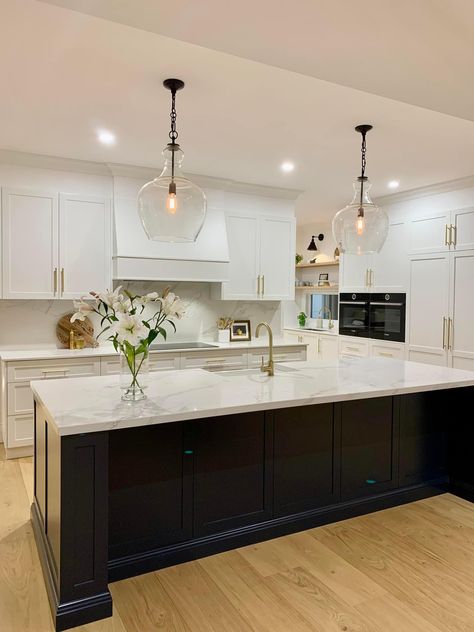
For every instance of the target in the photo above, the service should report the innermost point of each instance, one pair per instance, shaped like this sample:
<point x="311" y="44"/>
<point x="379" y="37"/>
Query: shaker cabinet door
<point x="85" y="252"/>
<point x="277" y="256"/>
<point x="243" y="237"/>
<point x="30" y="244"/>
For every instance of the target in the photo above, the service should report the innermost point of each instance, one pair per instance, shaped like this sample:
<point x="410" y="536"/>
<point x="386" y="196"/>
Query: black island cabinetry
<point x="110" y="505"/>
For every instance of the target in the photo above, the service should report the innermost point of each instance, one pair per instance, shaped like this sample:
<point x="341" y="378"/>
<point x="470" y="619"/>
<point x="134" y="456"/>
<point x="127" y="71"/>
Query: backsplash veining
<point x="24" y="322"/>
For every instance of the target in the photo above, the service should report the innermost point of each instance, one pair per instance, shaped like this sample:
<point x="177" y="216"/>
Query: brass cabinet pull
<point x="386" y="354"/>
<point x="263" y="284"/>
<point x="446" y="235"/>
<point x="258" y="285"/>
<point x="371" y="277"/>
<point x="450" y="333"/>
<point x="62" y="280"/>
<point x="55" y="281"/>
<point x="444" y="332"/>
<point x="453" y="231"/>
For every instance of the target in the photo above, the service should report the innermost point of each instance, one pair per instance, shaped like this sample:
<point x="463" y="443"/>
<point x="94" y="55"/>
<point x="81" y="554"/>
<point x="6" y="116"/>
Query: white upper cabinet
<point x="389" y="268"/>
<point x="460" y="335"/>
<point x="462" y="229"/>
<point x="429" y="233"/>
<point x="261" y="258"/>
<point x="30" y="244"/>
<point x="85" y="249"/>
<point x="354" y="273"/>
<point x="429" y="309"/>
<point x="277" y="258"/>
<point x="54" y="253"/>
<point x="243" y="236"/>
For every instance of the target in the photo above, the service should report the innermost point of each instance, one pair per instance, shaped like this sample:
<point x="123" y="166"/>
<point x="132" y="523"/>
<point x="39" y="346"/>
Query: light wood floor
<point x="407" y="569"/>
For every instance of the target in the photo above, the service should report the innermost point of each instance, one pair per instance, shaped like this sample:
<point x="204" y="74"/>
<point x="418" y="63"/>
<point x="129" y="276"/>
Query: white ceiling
<point x="417" y="51"/>
<point x="64" y="74"/>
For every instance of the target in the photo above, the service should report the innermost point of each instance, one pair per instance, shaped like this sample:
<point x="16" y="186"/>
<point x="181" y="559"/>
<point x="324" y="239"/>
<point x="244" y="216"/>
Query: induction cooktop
<point x="164" y="346"/>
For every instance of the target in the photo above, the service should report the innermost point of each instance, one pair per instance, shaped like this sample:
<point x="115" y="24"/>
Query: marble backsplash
<point x="33" y="322"/>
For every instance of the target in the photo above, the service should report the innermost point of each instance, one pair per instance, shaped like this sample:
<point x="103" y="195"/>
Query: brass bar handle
<point x="258" y="285"/>
<point x="453" y="231"/>
<point x="450" y="333"/>
<point x="371" y="277"/>
<point x="446" y="235"/>
<point x="62" y="281"/>
<point x="263" y="284"/>
<point x="444" y="332"/>
<point x="55" y="281"/>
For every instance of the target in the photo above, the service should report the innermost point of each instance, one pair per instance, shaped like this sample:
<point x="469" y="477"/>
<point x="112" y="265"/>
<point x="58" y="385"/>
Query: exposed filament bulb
<point x="171" y="200"/>
<point x="360" y="223"/>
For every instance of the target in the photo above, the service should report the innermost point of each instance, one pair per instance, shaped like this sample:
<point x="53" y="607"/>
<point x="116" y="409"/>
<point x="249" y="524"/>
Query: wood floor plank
<point x="145" y="606"/>
<point x="26" y="469"/>
<point x="256" y="602"/>
<point x="298" y="550"/>
<point x="391" y="615"/>
<point x="199" y="599"/>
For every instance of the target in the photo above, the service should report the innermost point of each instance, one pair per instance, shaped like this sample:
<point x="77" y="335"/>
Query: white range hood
<point x="138" y="258"/>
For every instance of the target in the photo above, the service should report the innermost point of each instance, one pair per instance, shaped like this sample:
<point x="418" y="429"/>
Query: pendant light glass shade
<point x="361" y="227"/>
<point x="172" y="209"/>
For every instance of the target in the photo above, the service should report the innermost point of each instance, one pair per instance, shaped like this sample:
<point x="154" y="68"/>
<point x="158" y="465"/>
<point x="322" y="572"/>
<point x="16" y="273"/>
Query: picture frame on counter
<point x="240" y="331"/>
<point x="323" y="279"/>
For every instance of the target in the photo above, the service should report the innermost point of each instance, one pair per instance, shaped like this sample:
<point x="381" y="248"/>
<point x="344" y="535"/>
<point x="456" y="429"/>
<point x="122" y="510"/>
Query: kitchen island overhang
<point x="215" y="461"/>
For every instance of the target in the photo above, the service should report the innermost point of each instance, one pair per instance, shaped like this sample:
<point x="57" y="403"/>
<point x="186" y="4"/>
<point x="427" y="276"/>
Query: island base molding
<point x="114" y="504"/>
<point x="149" y="561"/>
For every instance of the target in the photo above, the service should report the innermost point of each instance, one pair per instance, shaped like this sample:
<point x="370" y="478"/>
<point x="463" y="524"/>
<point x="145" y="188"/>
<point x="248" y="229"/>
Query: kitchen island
<point x="212" y="461"/>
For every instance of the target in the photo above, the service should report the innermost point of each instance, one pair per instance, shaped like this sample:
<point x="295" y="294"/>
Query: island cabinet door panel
<point x="150" y="488"/>
<point x="369" y="446"/>
<point x="232" y="469"/>
<point x="423" y="437"/>
<point x="306" y="467"/>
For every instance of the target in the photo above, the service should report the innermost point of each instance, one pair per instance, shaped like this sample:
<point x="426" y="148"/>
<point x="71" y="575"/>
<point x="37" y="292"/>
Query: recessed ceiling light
<point x="106" y="137"/>
<point x="393" y="184"/>
<point x="287" y="166"/>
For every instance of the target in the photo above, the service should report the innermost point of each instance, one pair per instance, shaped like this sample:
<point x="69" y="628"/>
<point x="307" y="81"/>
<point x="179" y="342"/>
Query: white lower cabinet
<point x="110" y="365"/>
<point x="395" y="350"/>
<point x="320" y="347"/>
<point x="18" y="404"/>
<point x="219" y="360"/>
<point x="353" y="347"/>
<point x="370" y="348"/>
<point x="280" y="354"/>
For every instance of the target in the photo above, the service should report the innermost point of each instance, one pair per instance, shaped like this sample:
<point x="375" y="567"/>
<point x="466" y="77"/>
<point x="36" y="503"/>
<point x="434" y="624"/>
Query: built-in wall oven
<point x="354" y="314"/>
<point x="387" y="317"/>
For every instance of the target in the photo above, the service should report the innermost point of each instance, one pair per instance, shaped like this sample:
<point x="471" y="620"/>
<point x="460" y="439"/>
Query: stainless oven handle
<point x="388" y="304"/>
<point x="353" y="303"/>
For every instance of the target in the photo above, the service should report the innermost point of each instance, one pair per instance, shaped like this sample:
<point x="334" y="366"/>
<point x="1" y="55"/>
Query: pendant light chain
<point x="362" y="173"/>
<point x="173" y="134"/>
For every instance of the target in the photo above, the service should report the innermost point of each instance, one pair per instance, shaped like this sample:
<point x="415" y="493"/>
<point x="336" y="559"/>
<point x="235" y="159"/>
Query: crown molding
<point x="110" y="169"/>
<point x="432" y="189"/>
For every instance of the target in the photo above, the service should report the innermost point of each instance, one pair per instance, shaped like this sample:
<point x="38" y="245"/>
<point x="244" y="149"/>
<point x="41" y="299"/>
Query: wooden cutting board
<point x="80" y="328"/>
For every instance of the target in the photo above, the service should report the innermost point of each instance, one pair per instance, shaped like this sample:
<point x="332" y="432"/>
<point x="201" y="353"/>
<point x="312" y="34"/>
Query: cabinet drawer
<point x="380" y="350"/>
<point x="20" y="398"/>
<point x="214" y="361"/>
<point x="27" y="371"/>
<point x="20" y="430"/>
<point x="353" y="348"/>
<point x="292" y="336"/>
<point x="157" y="362"/>
<point x="280" y="354"/>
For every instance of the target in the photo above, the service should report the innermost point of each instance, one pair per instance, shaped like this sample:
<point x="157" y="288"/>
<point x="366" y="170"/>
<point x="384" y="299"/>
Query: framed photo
<point x="324" y="276"/>
<point x="240" y="331"/>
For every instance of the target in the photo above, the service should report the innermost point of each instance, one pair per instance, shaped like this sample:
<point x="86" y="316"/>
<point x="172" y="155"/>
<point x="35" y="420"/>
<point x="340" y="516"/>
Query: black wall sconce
<point x="312" y="243"/>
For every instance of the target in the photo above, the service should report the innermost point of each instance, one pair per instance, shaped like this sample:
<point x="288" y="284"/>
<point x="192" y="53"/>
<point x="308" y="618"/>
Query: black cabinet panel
<point x="458" y="408"/>
<point x="150" y="488"/>
<point x="306" y="468"/>
<point x="369" y="442"/>
<point x="423" y="437"/>
<point x="232" y="468"/>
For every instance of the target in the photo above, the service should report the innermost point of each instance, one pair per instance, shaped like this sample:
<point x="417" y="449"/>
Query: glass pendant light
<point x="171" y="207"/>
<point x="361" y="227"/>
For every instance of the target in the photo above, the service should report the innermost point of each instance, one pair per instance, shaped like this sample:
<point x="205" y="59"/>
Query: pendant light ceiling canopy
<point x="171" y="207"/>
<point x="361" y="227"/>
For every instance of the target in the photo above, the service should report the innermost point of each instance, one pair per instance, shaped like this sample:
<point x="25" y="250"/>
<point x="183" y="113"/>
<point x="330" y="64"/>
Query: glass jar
<point x="134" y="376"/>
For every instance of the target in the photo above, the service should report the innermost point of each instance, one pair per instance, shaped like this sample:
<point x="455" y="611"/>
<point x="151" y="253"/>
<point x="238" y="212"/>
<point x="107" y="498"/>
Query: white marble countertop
<point x="10" y="354"/>
<point x="93" y="404"/>
<point x="308" y="330"/>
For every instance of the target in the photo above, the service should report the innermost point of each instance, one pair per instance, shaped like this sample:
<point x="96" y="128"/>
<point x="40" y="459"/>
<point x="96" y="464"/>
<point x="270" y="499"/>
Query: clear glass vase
<point x="134" y="373"/>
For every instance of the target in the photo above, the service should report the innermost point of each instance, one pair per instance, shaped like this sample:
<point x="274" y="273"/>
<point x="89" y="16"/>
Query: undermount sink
<point x="256" y="371"/>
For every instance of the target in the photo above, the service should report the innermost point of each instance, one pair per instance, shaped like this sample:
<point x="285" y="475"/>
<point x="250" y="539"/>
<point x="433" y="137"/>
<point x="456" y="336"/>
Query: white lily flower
<point x="172" y="305"/>
<point x="109" y="298"/>
<point x="129" y="329"/>
<point x="83" y="309"/>
<point x="122" y="307"/>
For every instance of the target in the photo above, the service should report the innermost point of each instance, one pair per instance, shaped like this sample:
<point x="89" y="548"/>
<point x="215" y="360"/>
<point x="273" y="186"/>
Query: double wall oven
<point x="379" y="316"/>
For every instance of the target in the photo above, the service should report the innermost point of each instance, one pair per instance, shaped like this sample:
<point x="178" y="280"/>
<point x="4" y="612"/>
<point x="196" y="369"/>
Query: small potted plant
<point x="302" y="319"/>
<point x="298" y="259"/>
<point x="223" y="328"/>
